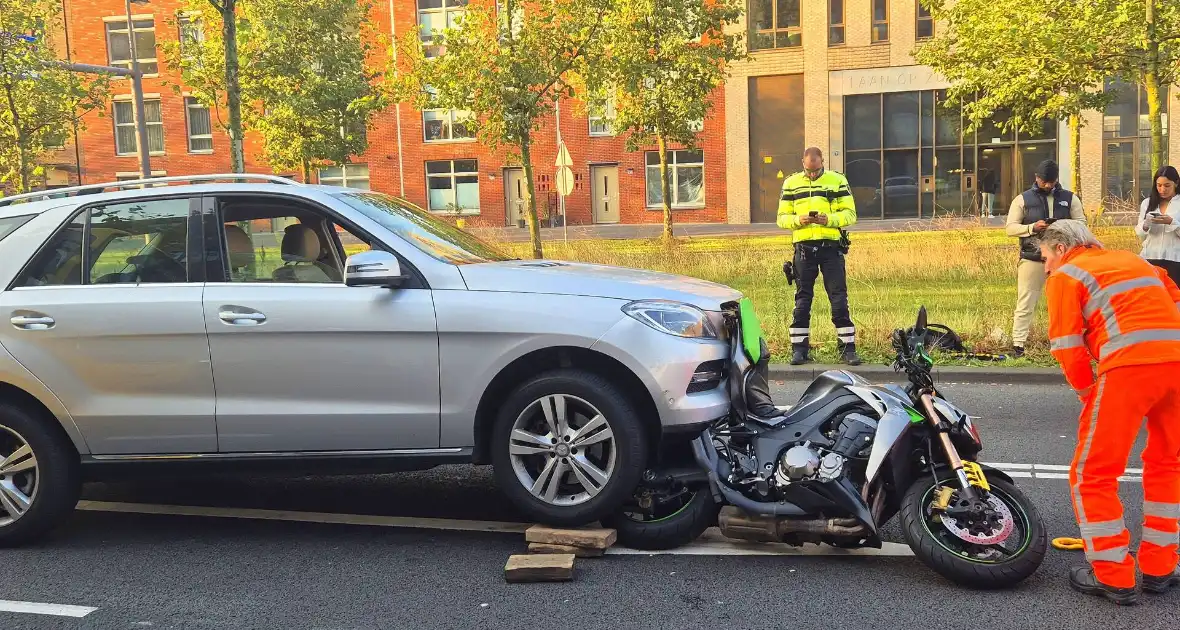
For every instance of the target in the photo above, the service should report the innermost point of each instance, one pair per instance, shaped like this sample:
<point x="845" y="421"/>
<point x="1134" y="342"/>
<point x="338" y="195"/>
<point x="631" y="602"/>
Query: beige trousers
<point x="1030" y="282"/>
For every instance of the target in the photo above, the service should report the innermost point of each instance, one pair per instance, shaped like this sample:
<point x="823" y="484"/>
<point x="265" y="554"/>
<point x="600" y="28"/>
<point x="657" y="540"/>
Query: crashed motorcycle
<point x="837" y="466"/>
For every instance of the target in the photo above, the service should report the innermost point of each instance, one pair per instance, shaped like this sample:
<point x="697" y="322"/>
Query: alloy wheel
<point x="18" y="476"/>
<point x="562" y="450"/>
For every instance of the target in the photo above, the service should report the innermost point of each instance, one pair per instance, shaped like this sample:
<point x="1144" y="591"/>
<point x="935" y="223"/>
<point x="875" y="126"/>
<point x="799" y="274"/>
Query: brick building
<point x="421" y="156"/>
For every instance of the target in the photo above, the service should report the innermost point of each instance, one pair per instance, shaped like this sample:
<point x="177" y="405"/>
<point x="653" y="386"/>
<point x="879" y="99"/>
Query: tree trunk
<point x="1151" y="83"/>
<point x="531" y="200"/>
<point x="24" y="182"/>
<point x="233" y="89"/>
<point x="306" y="171"/>
<point x="1075" y="154"/>
<point x="665" y="188"/>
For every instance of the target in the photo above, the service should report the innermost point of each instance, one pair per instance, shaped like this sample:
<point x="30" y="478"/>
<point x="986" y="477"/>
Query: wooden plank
<point x="579" y="552"/>
<point x="585" y="538"/>
<point x="547" y="567"/>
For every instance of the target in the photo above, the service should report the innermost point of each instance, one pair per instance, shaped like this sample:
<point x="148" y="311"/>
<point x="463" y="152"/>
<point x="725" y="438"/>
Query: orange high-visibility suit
<point x="1114" y="307"/>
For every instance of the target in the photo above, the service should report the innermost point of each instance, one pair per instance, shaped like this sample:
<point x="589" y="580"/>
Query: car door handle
<point x="32" y="322"/>
<point x="240" y="317"/>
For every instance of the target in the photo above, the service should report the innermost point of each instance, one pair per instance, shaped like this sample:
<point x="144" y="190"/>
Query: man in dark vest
<point x="1029" y="215"/>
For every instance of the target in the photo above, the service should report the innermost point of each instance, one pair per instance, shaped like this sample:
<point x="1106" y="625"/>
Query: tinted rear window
<point x="8" y="225"/>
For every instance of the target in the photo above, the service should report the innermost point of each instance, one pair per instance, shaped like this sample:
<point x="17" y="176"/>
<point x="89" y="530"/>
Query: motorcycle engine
<point x="803" y="462"/>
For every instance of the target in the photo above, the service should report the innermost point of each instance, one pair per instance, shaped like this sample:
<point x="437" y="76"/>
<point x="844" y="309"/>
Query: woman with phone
<point x="1159" y="220"/>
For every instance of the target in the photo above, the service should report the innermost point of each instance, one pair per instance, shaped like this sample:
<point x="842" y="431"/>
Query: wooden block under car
<point x="585" y="538"/>
<point x="547" y="567"/>
<point x="579" y="552"/>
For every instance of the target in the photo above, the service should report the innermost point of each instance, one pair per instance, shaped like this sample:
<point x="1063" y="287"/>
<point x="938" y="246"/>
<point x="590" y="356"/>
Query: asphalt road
<point x="157" y="571"/>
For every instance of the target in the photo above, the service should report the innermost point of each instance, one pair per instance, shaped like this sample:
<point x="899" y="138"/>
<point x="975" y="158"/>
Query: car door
<point x="303" y="362"/>
<point x="115" y="328"/>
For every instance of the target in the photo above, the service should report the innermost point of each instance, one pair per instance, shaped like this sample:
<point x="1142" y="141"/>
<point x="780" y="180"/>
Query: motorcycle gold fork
<point x="952" y="454"/>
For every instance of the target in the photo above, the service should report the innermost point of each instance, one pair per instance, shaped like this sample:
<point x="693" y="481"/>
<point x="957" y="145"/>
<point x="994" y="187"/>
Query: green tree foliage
<point x="660" y="63"/>
<point x="39" y="99"/>
<point x="506" y="63"/>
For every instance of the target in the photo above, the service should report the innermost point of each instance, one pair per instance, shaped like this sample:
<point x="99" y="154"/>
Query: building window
<point x="1126" y="127"/>
<point x="191" y="35"/>
<point x="200" y="127"/>
<point x="436" y="16"/>
<point x="880" y="27"/>
<point x="440" y="125"/>
<point x="126" y="139"/>
<point x="835" y="22"/>
<point x="686" y="170"/>
<point x="347" y="175"/>
<point x="453" y="186"/>
<point x="925" y="25"/>
<point x="119" y="45"/>
<point x="602" y="118"/>
<point x="774" y="24"/>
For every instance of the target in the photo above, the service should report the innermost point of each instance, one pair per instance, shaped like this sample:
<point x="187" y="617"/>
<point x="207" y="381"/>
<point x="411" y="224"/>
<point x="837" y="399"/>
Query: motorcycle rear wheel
<point x="952" y="557"/>
<point x="681" y="525"/>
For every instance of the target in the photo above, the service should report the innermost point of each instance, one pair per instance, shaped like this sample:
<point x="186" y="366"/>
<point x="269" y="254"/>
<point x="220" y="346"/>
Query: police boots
<point x="799" y="355"/>
<point x="849" y="355"/>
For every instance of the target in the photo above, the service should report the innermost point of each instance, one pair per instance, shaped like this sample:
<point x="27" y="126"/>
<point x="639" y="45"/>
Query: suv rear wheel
<point x="39" y="477"/>
<point x="568" y="447"/>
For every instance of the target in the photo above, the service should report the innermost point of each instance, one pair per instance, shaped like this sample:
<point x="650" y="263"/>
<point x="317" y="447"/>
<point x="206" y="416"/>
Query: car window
<point x="8" y="225"/>
<point x="284" y="243"/>
<point x="435" y="237"/>
<point x="128" y="243"/>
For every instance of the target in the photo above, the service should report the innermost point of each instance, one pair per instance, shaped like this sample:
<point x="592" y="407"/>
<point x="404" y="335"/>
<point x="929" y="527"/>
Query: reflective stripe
<point x="798" y="339"/>
<point x="798" y="331"/>
<point x="1067" y="342"/>
<point x="1102" y="528"/>
<point x="1160" y="537"/>
<point x="1162" y="510"/>
<point x="1102" y="298"/>
<point x="1118" y="554"/>
<point x="1118" y="342"/>
<point x="1097" y="300"/>
<point x="847" y="339"/>
<point x="1077" y="494"/>
<point x="851" y="330"/>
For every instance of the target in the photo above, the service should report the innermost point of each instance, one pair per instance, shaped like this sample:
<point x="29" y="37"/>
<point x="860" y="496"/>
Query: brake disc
<point x="994" y="535"/>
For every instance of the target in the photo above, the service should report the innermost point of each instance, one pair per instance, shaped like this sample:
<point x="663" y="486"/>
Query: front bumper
<point x="667" y="366"/>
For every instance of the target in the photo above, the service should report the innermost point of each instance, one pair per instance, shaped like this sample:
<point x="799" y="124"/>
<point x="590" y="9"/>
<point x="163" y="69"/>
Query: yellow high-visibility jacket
<point x="829" y="194"/>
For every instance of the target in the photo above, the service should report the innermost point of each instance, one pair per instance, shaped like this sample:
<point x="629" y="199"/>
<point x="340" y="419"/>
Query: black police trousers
<point x="811" y="259"/>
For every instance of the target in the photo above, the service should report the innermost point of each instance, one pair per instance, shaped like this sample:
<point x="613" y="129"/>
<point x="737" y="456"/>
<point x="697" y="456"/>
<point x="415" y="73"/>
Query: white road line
<point x="35" y="608"/>
<point x="306" y="517"/>
<point x="712" y="543"/>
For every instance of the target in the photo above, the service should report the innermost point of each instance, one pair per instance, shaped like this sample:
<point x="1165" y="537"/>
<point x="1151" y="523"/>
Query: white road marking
<point x="1053" y="471"/>
<point x="712" y="543"/>
<point x="55" y="610"/>
<point x="307" y="517"/>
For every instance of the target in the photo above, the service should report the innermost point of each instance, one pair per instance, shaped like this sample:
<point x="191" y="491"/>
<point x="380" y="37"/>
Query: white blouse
<point x="1160" y="242"/>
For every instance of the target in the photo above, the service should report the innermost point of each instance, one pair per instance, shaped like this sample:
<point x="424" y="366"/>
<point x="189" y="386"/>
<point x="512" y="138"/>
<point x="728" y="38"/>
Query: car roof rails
<point x="91" y="189"/>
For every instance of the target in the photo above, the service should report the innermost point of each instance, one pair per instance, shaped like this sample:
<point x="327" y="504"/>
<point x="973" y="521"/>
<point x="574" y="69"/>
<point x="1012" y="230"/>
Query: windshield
<point x="435" y="237"/>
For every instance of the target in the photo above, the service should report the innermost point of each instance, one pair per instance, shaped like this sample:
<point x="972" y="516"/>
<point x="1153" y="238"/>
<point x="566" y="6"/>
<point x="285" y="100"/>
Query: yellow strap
<point x="1069" y="544"/>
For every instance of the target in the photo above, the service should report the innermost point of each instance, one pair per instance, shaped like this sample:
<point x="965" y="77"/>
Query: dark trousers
<point x="812" y="259"/>
<point x="1173" y="269"/>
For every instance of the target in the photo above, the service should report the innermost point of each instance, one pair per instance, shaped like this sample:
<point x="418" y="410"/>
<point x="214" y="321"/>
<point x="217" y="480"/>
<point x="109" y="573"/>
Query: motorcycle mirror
<point x="921" y="325"/>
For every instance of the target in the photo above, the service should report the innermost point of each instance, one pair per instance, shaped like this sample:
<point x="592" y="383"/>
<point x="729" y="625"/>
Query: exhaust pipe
<point x="706" y="456"/>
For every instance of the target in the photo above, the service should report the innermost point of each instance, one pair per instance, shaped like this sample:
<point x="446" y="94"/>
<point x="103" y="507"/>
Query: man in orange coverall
<point x="1113" y="307"/>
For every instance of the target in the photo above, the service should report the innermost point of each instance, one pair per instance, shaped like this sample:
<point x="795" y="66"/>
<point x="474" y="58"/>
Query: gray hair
<point x="1071" y="233"/>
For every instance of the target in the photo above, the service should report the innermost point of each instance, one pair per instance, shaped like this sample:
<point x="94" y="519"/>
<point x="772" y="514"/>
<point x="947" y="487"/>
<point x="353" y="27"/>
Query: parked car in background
<point x="203" y="322"/>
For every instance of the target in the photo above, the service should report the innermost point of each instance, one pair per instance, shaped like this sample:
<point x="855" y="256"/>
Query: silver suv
<point x="236" y="320"/>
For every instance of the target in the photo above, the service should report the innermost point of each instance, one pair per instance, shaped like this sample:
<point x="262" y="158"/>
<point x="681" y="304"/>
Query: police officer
<point x="816" y="204"/>
<point x="1028" y="217"/>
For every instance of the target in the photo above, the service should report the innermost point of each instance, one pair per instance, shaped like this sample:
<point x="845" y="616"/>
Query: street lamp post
<point x="145" y="167"/>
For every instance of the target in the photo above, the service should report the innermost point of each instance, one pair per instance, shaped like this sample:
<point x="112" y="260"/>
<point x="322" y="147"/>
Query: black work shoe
<point x="1161" y="584"/>
<point x="850" y="357"/>
<point x="1017" y="352"/>
<point x="1082" y="580"/>
<point x="799" y="356"/>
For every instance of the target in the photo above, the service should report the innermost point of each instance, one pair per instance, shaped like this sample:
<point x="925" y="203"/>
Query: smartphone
<point x="813" y="213"/>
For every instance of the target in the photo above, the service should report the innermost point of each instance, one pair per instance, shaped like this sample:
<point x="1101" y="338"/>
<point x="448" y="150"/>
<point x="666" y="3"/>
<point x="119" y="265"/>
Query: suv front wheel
<point x="568" y="448"/>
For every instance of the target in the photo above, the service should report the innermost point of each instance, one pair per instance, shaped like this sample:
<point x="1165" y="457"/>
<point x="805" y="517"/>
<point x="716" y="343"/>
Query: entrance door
<point x="604" y="189"/>
<point x="995" y="179"/>
<point x="776" y="140"/>
<point x="514" y="193"/>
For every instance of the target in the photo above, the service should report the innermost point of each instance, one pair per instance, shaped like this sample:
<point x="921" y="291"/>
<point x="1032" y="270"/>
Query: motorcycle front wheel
<point x="674" y="524"/>
<point x="999" y="555"/>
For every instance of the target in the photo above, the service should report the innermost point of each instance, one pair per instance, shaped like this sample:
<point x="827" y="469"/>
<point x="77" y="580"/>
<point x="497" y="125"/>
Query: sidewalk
<point x="653" y="230"/>
<point x="883" y="374"/>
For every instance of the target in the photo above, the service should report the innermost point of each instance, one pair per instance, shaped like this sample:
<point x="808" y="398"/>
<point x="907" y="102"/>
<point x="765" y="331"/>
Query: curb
<point x="949" y="374"/>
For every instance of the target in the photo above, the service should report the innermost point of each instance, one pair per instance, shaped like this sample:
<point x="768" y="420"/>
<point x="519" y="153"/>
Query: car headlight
<point x="673" y="318"/>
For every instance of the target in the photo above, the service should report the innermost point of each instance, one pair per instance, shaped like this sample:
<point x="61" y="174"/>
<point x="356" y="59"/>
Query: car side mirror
<point x="374" y="269"/>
